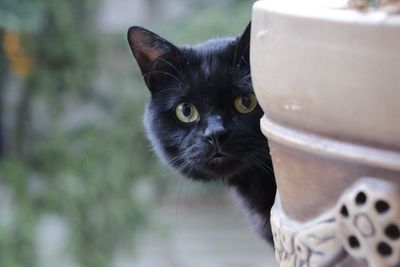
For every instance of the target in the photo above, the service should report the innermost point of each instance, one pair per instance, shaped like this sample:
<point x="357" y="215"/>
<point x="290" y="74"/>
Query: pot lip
<point x="328" y="147"/>
<point x="328" y="10"/>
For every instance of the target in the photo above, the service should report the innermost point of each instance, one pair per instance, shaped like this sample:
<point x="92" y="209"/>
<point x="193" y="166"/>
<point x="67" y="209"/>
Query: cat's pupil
<point x="246" y="101"/>
<point x="186" y="110"/>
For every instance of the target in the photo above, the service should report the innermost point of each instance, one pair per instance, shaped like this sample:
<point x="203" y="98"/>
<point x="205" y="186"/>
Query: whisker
<point x="171" y="65"/>
<point x="177" y="158"/>
<point x="263" y="166"/>
<point x="163" y="72"/>
<point x="245" y="77"/>
<point x="158" y="58"/>
<point x="182" y="183"/>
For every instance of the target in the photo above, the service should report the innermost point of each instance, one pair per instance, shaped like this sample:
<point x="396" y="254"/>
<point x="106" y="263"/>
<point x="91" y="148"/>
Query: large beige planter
<point x="328" y="80"/>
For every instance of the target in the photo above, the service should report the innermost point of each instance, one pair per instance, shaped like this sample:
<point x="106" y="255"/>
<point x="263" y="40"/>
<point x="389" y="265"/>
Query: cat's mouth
<point x="220" y="158"/>
<point x="223" y="164"/>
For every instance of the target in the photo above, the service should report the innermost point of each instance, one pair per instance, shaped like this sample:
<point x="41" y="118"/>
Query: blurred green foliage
<point x="208" y="19"/>
<point x="86" y="173"/>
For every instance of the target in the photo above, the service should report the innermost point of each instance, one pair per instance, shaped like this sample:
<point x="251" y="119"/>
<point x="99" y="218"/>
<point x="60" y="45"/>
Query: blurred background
<point x="79" y="185"/>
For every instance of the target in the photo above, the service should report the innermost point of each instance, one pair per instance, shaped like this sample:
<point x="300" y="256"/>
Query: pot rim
<point x="330" y="10"/>
<point x="328" y="147"/>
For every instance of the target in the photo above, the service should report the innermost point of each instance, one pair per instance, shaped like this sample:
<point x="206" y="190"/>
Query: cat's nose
<point x="216" y="137"/>
<point x="215" y="132"/>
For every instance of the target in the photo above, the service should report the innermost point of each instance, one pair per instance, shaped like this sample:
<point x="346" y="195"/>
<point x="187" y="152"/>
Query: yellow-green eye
<point x="246" y="103"/>
<point x="186" y="112"/>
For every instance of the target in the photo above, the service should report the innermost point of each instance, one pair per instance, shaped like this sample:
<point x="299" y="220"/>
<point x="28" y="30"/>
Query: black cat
<point x="203" y="117"/>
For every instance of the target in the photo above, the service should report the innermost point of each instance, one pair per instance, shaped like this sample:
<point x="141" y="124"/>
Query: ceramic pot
<point x="328" y="80"/>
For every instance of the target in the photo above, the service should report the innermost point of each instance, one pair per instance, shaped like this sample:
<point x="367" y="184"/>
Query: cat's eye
<point x="246" y="103"/>
<point x="186" y="112"/>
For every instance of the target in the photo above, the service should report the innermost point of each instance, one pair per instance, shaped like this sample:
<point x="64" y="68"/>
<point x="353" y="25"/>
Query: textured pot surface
<point x="328" y="80"/>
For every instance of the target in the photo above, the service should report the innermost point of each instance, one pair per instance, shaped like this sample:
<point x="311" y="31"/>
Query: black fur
<point x="210" y="76"/>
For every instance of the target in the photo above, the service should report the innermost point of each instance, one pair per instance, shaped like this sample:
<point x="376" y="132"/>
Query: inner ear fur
<point x="148" y="48"/>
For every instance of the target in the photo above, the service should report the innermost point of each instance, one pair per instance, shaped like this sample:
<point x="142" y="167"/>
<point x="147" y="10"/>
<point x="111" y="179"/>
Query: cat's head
<point x="203" y="117"/>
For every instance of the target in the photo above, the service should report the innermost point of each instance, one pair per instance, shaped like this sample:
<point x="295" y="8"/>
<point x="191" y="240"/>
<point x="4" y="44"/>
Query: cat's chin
<point x="215" y="168"/>
<point x="223" y="166"/>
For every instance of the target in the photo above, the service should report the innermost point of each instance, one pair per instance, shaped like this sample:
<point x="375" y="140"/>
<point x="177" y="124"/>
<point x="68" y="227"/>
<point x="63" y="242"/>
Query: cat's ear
<point x="150" y="51"/>
<point x="242" y="50"/>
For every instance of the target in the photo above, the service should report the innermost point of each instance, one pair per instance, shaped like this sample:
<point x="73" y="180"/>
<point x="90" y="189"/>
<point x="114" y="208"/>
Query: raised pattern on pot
<point x="368" y="221"/>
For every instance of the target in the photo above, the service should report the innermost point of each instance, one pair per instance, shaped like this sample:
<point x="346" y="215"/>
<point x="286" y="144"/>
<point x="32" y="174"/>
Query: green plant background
<point x="84" y="171"/>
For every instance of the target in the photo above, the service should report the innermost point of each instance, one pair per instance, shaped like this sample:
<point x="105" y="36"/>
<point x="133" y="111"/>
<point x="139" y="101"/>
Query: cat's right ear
<point x="150" y="51"/>
<point x="242" y="52"/>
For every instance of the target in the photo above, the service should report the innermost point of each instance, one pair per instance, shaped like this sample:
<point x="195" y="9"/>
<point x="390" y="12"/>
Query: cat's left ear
<point x="153" y="54"/>
<point x="242" y="50"/>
